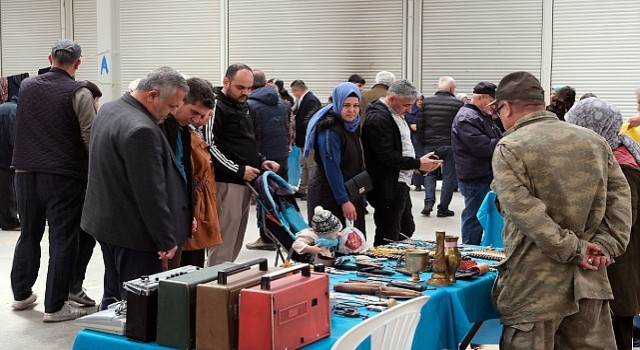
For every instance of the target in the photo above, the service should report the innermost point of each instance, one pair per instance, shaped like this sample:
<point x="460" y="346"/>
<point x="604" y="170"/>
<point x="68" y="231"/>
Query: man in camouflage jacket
<point x="567" y="214"/>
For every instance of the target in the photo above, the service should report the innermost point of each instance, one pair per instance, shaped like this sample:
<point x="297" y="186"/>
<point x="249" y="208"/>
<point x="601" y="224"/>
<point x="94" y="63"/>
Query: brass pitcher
<point x="452" y="256"/>
<point x="439" y="267"/>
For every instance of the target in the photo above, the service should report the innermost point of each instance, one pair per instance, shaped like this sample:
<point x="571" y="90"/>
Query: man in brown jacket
<point x="384" y="79"/>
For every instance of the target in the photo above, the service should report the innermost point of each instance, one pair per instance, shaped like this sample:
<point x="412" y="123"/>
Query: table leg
<point x="467" y="338"/>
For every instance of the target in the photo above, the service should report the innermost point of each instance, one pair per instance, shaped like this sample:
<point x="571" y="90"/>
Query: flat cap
<point x="519" y="86"/>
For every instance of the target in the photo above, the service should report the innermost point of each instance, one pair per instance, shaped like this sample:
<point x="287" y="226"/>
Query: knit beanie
<point x="324" y="223"/>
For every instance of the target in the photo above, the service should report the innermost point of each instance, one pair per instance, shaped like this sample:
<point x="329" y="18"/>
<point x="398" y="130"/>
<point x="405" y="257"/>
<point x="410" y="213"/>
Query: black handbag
<point x="358" y="186"/>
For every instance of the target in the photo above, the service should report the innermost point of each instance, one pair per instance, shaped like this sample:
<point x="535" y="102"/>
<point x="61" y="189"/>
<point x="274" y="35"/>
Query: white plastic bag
<point x="352" y="241"/>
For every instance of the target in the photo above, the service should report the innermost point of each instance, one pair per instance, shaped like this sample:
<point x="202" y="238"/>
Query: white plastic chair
<point x="391" y="329"/>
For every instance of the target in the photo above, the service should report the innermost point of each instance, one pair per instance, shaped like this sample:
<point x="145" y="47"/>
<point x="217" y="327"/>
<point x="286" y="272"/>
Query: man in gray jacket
<point x="136" y="204"/>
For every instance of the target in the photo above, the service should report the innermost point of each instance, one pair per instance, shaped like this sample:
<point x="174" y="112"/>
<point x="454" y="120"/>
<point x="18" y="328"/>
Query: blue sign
<point x="104" y="66"/>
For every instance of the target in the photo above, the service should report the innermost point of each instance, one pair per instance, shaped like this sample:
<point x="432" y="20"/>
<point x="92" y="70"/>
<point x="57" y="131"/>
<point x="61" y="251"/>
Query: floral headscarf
<point x="605" y="119"/>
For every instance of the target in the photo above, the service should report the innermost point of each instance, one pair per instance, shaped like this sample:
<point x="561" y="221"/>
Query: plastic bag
<point x="352" y="241"/>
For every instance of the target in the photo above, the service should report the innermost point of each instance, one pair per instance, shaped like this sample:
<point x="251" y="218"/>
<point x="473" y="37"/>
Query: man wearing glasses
<point x="567" y="212"/>
<point x="474" y="136"/>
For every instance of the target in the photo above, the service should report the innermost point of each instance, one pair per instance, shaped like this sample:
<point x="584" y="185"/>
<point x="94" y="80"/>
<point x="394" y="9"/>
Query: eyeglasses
<point x="497" y="110"/>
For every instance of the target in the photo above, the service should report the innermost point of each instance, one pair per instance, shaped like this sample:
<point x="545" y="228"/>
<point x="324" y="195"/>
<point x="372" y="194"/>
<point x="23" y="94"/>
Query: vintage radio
<point x="142" y="303"/>
<point x="286" y="311"/>
<point x="177" y="306"/>
<point x="217" y="305"/>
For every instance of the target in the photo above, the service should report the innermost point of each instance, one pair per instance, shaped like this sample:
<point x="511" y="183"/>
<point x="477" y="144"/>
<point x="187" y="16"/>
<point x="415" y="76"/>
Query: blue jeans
<point x="448" y="177"/>
<point x="473" y="194"/>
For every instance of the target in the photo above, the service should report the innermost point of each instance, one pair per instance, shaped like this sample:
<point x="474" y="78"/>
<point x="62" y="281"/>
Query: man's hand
<point x="250" y="173"/>
<point x="270" y="165"/>
<point x="427" y="164"/>
<point x="634" y="121"/>
<point x="167" y="254"/>
<point x="194" y="225"/>
<point x="349" y="211"/>
<point x="413" y="127"/>
<point x="594" y="258"/>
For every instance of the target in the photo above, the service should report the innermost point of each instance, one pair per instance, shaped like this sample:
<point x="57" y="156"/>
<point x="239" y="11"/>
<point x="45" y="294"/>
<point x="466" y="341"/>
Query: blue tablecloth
<point x="446" y="318"/>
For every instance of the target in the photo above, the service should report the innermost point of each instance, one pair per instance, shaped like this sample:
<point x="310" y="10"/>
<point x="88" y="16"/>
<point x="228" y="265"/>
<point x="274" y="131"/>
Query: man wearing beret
<point x="567" y="212"/>
<point x="474" y="136"/>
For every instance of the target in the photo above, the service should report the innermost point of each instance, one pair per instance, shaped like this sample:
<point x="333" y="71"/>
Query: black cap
<point x="519" y="86"/>
<point x="70" y="46"/>
<point x="485" y="88"/>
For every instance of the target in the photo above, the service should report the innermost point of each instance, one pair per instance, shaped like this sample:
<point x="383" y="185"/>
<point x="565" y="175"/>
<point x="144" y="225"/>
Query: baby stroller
<point x="279" y="216"/>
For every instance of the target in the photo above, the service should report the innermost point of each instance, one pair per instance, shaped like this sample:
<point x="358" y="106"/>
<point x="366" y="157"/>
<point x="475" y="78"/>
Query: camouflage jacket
<point x="558" y="187"/>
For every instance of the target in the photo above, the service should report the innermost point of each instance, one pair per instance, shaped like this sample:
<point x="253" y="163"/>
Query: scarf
<point x="605" y="119"/>
<point x="339" y="95"/>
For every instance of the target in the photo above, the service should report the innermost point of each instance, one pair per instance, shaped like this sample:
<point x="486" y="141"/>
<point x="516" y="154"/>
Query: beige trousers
<point x="234" y="202"/>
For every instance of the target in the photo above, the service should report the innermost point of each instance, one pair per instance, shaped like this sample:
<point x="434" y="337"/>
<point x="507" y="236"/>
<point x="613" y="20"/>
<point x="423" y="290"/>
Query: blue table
<point x="446" y="318"/>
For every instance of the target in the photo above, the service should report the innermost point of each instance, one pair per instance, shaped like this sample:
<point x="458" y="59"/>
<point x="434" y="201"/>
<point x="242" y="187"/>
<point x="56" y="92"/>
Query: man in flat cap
<point x="474" y="136"/>
<point x="50" y="157"/>
<point x="567" y="212"/>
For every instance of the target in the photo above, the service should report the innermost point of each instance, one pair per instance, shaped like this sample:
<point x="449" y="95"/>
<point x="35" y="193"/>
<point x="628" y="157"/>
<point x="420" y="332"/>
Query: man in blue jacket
<point x="474" y="136"/>
<point x="271" y="125"/>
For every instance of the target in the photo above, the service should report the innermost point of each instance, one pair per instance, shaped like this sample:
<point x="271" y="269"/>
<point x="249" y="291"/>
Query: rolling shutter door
<point x="473" y="41"/>
<point x="29" y="29"/>
<point x="182" y="34"/>
<point x="596" y="49"/>
<point x="320" y="42"/>
<point x="85" y="33"/>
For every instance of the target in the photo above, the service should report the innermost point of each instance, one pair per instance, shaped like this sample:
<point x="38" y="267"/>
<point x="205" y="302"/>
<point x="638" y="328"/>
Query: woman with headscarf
<point x="333" y="133"/>
<point x="605" y="119"/>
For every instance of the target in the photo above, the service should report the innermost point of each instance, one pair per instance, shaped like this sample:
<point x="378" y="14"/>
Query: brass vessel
<point x="452" y="255"/>
<point x="439" y="266"/>
<point x="416" y="262"/>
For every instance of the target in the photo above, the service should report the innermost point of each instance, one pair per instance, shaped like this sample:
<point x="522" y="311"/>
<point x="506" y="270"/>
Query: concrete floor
<point x="25" y="329"/>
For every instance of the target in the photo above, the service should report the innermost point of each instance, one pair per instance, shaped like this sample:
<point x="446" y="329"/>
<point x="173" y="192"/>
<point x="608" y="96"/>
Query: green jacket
<point x="558" y="186"/>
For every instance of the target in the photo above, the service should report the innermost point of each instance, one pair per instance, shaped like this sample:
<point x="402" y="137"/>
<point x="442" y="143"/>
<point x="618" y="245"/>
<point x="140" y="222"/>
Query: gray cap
<point x="70" y="46"/>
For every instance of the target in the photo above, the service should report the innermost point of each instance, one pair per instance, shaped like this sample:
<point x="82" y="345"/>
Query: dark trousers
<point x="473" y="194"/>
<point x="86" y="243"/>
<point x="448" y="177"/>
<point x="192" y="257"/>
<point x="8" y="206"/>
<point x="416" y="140"/>
<point x="57" y="199"/>
<point x="388" y="214"/>
<point x="407" y="225"/>
<point x="623" y="331"/>
<point x="123" y="265"/>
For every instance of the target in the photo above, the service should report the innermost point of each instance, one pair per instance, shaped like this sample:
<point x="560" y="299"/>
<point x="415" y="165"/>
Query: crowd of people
<point x="158" y="177"/>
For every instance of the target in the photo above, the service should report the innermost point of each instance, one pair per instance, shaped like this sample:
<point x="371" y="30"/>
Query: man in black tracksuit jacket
<point x="235" y="160"/>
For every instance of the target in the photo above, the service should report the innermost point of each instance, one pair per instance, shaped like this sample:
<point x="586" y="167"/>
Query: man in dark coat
<point x="307" y="104"/>
<point x="390" y="161"/>
<point x="434" y="124"/>
<point x="8" y="210"/>
<point x="271" y="125"/>
<point x="136" y="204"/>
